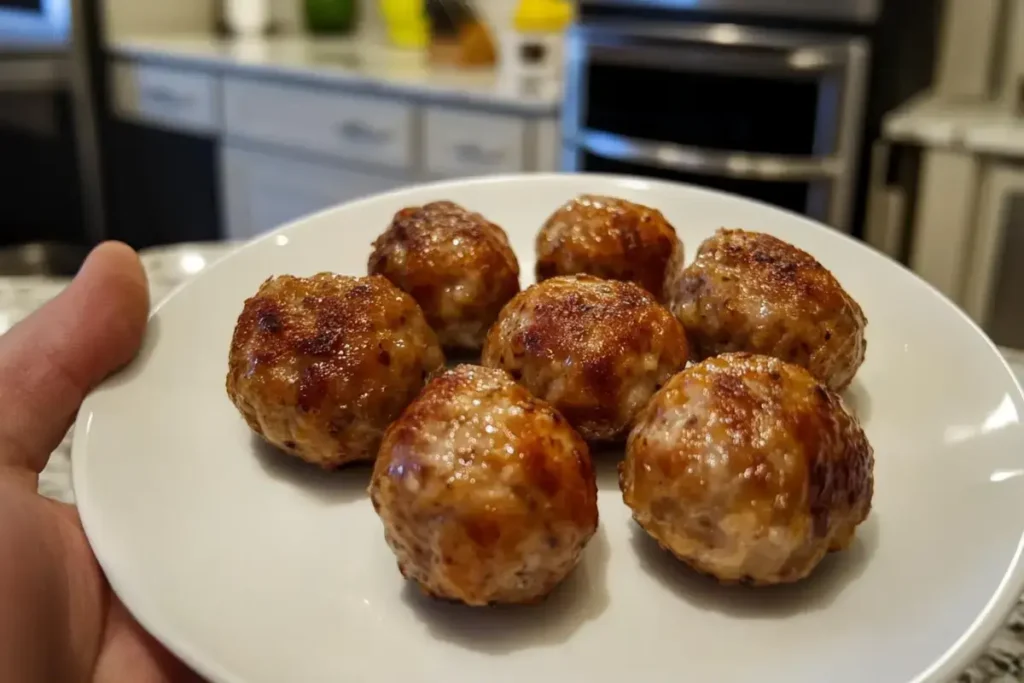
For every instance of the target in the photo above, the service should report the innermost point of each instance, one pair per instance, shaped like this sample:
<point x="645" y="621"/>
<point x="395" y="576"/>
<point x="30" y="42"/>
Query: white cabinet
<point x="994" y="282"/>
<point x="460" y="143"/>
<point x="181" y="99"/>
<point x="373" y="130"/>
<point x="263" y="191"/>
<point x="290" y="146"/>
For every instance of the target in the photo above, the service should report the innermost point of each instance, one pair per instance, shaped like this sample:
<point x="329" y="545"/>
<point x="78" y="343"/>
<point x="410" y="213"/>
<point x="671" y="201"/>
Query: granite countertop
<point x="357" y="63"/>
<point x="168" y="267"/>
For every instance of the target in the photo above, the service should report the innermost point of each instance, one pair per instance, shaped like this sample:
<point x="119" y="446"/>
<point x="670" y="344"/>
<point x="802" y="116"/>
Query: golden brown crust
<point x="595" y="349"/>
<point x="609" y="238"/>
<point x="749" y="291"/>
<point x="749" y="469"/>
<point x="486" y="494"/>
<point x="320" y="366"/>
<point x="456" y="264"/>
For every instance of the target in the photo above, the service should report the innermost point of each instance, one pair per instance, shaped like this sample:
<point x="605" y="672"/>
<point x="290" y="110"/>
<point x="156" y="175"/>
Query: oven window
<point x="792" y="196"/>
<point x="708" y="110"/>
<point x="31" y="5"/>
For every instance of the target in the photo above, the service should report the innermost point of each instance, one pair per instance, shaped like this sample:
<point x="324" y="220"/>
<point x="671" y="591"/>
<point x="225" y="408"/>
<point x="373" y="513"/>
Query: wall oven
<point x="766" y="112"/>
<point x="33" y="21"/>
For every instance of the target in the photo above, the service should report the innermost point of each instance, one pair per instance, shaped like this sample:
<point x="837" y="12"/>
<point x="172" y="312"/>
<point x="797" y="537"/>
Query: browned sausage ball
<point x="320" y="366"/>
<point x="748" y="469"/>
<point x="456" y="264"/>
<point x="487" y="495"/>
<point x="595" y="349"/>
<point x="752" y="292"/>
<point x="610" y="238"/>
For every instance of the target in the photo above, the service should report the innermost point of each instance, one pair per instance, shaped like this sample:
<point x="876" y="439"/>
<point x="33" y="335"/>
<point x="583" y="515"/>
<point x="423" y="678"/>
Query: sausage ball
<point x="752" y="292"/>
<point x="610" y="238"/>
<point x="456" y="264"/>
<point x="597" y="350"/>
<point x="320" y="366"/>
<point x="748" y="469"/>
<point x="487" y="495"/>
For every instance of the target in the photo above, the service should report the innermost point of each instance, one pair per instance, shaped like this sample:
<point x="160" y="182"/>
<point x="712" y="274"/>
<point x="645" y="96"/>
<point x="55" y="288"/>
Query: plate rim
<point x="954" y="661"/>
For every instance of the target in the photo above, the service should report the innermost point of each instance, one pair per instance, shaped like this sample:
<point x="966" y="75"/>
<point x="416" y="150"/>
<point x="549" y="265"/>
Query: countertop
<point x="981" y="127"/>
<point x="357" y="63"/>
<point x="168" y="267"/>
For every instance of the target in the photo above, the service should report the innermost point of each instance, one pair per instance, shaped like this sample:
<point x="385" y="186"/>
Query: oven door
<point x="994" y="282"/>
<point x="770" y="114"/>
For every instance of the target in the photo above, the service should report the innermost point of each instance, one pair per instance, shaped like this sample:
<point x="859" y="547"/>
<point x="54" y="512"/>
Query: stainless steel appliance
<point x="763" y="98"/>
<point x="49" y="171"/>
<point x="35" y="21"/>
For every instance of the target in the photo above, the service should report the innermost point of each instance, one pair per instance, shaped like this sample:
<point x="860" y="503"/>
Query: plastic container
<point x="247" y="18"/>
<point x="331" y="17"/>
<point x="532" y="53"/>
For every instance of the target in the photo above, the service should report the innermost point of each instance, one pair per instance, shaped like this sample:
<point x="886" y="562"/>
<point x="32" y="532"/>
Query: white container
<point x="247" y="18"/>
<point x="532" y="63"/>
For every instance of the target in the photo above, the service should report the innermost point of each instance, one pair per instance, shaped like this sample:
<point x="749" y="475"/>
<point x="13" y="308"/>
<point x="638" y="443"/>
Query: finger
<point x="128" y="653"/>
<point x="51" y="360"/>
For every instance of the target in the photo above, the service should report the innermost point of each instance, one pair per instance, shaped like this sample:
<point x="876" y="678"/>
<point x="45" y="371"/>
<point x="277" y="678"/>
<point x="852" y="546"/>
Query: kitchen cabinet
<point x="994" y="284"/>
<point x="264" y="190"/>
<point x="291" y="142"/>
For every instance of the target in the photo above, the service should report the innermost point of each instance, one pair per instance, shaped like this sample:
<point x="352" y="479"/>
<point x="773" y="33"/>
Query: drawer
<point x="461" y="143"/>
<point x="174" y="98"/>
<point x="263" y="191"/>
<point x="358" y="127"/>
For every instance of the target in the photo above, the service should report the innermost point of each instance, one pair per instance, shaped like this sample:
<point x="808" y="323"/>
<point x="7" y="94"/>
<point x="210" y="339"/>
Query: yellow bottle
<point x="407" y="23"/>
<point x="543" y="16"/>
<point x="532" y="55"/>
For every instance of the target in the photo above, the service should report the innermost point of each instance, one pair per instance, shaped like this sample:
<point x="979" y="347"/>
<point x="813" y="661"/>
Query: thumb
<point x="51" y="360"/>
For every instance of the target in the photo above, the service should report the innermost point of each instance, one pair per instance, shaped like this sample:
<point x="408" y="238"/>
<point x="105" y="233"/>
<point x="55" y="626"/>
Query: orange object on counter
<point x="458" y="36"/>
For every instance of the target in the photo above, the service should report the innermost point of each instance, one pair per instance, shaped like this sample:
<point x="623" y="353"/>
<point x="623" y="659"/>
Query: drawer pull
<point x="356" y="131"/>
<point x="471" y="153"/>
<point x="166" y="97"/>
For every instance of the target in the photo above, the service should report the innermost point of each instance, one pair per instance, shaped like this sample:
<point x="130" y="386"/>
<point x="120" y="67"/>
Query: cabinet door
<point x="265" y="190"/>
<point x="994" y="286"/>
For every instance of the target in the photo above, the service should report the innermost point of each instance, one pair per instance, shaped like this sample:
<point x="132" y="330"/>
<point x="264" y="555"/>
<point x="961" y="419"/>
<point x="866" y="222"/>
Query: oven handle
<point x="722" y="35"/>
<point x="767" y="167"/>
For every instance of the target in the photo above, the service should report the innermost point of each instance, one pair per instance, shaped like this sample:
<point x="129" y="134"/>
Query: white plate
<point x="256" y="570"/>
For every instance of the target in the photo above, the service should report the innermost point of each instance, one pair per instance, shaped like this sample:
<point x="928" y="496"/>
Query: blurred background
<point x="192" y="122"/>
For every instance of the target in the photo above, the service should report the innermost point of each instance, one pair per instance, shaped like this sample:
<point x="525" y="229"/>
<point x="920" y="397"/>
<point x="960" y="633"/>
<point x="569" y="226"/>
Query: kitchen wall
<point x="122" y="17"/>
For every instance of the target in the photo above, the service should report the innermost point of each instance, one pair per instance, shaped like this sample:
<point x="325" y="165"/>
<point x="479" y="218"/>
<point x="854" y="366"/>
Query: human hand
<point x="59" y="619"/>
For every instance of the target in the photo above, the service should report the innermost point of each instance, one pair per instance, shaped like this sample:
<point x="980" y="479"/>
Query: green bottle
<point x="336" y="17"/>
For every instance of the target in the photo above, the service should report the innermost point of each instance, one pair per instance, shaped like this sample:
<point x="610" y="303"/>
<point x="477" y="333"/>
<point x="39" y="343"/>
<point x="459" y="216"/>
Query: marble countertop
<point x="357" y="63"/>
<point x="166" y="268"/>
<point x="981" y="127"/>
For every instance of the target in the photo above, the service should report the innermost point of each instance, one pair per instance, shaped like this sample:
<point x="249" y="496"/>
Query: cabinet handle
<point x="165" y="97"/>
<point x="472" y="153"/>
<point x="356" y="131"/>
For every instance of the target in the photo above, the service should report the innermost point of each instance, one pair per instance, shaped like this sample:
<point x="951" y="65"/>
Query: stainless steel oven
<point x="34" y="21"/>
<point x="864" y="11"/>
<point x="770" y="113"/>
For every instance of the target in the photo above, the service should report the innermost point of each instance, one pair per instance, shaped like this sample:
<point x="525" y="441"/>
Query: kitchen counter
<point x="355" y="63"/>
<point x="981" y="127"/>
<point x="166" y="268"/>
